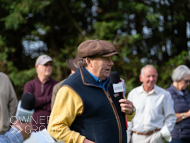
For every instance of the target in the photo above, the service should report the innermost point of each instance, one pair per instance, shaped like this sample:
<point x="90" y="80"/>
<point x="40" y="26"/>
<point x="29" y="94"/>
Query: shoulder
<point x="53" y="81"/>
<point x="73" y="79"/>
<point x="3" y="76"/>
<point x="159" y="89"/>
<point x="134" y="92"/>
<point x="171" y="89"/>
<point x="136" y="89"/>
<point x="162" y="91"/>
<point x="31" y="81"/>
<point x="58" y="85"/>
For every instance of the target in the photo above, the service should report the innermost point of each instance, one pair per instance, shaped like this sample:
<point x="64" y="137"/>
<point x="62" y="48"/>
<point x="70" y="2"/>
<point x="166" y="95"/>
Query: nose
<point x="110" y="62"/>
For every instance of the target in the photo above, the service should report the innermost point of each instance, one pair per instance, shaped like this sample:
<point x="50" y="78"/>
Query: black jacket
<point x="102" y="120"/>
<point x="181" y="104"/>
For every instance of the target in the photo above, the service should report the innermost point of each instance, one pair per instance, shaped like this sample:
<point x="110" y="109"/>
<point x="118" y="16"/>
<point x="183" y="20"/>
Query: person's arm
<point x="182" y="116"/>
<point x="67" y="106"/>
<point x="55" y="90"/>
<point x="13" y="101"/>
<point x="170" y="117"/>
<point x="11" y="136"/>
<point x="17" y="133"/>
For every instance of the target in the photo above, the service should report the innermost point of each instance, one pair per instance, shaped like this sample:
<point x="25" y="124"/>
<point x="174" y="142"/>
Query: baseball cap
<point x="96" y="48"/>
<point x="43" y="59"/>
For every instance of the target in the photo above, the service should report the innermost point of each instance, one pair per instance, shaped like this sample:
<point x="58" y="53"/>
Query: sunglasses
<point x="48" y="64"/>
<point x="187" y="81"/>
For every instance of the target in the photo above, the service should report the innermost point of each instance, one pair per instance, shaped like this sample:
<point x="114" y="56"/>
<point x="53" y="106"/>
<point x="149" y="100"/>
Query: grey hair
<point x="151" y="66"/>
<point x="82" y="62"/>
<point x="180" y="72"/>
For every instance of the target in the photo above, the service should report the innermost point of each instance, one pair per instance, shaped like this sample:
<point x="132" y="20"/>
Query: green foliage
<point x="139" y="7"/>
<point x="166" y="70"/>
<point x="106" y="30"/>
<point x="19" y="10"/>
<point x="20" y="78"/>
<point x="144" y="32"/>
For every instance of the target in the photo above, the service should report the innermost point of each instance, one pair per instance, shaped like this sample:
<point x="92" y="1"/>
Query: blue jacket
<point x="102" y="120"/>
<point x="181" y="104"/>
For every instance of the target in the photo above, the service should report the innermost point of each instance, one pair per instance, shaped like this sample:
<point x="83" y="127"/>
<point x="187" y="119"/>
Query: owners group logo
<point x="25" y="126"/>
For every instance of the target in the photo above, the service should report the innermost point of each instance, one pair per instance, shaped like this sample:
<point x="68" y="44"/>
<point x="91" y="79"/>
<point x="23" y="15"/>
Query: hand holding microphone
<point x="24" y="114"/>
<point x="119" y="92"/>
<point x="126" y="106"/>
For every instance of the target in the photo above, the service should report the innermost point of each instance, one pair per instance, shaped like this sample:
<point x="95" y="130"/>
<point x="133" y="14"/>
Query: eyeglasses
<point x="187" y="81"/>
<point x="48" y="64"/>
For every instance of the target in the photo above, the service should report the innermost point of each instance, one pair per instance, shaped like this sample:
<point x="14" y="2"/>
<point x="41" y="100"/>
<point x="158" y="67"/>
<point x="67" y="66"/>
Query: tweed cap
<point x="72" y="63"/>
<point x="96" y="48"/>
<point x="43" y="59"/>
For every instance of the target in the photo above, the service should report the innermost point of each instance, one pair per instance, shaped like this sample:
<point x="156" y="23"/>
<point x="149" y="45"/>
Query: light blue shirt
<point x="98" y="81"/>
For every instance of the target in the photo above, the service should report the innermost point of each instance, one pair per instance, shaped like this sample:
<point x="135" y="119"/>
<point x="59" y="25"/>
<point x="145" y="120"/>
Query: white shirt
<point x="154" y="110"/>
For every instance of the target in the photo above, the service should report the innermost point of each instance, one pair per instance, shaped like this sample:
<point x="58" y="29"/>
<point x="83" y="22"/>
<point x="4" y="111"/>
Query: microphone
<point x="25" y="107"/>
<point x="118" y="85"/>
<point x="118" y="88"/>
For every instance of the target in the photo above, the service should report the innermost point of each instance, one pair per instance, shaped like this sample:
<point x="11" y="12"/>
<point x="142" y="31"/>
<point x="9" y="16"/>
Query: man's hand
<point x="126" y="106"/>
<point x="26" y="128"/>
<point x="88" y="141"/>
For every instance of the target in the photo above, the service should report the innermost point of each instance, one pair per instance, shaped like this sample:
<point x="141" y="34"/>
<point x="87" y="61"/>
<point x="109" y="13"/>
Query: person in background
<point x="155" y="116"/>
<point x="85" y="109"/>
<point x="18" y="132"/>
<point x="72" y="64"/>
<point x="181" y="98"/>
<point x="8" y="103"/>
<point x="41" y="87"/>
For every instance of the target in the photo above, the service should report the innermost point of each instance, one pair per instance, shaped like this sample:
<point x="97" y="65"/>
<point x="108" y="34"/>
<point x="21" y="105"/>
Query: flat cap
<point x="96" y="48"/>
<point x="43" y="59"/>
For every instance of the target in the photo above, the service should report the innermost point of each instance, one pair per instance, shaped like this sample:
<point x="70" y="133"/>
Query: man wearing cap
<point x="72" y="64"/>
<point x="41" y="87"/>
<point x="85" y="109"/>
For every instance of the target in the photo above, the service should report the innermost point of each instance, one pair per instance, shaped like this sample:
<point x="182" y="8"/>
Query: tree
<point x="144" y="32"/>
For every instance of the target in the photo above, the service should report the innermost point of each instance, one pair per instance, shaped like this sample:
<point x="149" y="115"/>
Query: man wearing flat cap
<point x="85" y="109"/>
<point x="41" y="87"/>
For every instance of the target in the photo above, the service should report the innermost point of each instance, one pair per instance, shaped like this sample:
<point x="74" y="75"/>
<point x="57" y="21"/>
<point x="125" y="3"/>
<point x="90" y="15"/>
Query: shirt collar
<point x="99" y="81"/>
<point x="154" y="90"/>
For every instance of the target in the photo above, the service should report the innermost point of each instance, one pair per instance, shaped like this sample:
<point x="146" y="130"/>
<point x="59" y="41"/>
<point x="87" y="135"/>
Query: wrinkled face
<point x="100" y="66"/>
<point x="44" y="70"/>
<point x="182" y="84"/>
<point x="149" y="78"/>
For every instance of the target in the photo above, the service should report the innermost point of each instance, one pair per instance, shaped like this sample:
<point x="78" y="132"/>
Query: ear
<point x="140" y="78"/>
<point x="36" y="66"/>
<point x="88" y="61"/>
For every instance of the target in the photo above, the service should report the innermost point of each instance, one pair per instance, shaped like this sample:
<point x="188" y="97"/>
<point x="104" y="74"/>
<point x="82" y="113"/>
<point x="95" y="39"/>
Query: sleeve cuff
<point x="131" y="116"/>
<point x="166" y="133"/>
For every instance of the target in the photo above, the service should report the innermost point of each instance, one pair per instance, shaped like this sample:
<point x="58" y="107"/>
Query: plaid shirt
<point x="11" y="136"/>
